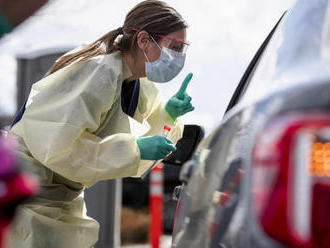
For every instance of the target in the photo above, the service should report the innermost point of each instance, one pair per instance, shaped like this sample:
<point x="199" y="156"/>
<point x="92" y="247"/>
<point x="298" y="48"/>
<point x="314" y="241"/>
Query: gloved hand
<point x="179" y="104"/>
<point x="155" y="147"/>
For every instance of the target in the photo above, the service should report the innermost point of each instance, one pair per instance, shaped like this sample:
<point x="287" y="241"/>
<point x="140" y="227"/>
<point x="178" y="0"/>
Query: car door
<point x="227" y="195"/>
<point x="231" y="177"/>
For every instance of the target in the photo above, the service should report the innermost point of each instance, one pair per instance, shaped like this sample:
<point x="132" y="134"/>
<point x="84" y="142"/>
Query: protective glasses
<point x="177" y="45"/>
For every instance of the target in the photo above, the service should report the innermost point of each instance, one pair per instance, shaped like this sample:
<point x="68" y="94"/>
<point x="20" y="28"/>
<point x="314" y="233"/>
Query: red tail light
<point x="291" y="180"/>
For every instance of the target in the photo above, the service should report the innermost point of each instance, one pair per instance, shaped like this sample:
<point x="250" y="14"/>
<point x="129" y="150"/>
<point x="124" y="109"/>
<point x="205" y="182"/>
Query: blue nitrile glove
<point x="154" y="147"/>
<point x="179" y="104"/>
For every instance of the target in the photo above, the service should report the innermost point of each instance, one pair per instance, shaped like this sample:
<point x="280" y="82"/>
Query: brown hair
<point x="154" y="16"/>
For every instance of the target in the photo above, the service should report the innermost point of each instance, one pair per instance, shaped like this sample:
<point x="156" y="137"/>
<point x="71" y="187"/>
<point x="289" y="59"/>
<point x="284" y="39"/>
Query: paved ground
<point x="166" y="243"/>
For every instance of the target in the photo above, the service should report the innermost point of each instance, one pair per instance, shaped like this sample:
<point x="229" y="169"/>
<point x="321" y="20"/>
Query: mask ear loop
<point x="155" y="42"/>
<point x="145" y="55"/>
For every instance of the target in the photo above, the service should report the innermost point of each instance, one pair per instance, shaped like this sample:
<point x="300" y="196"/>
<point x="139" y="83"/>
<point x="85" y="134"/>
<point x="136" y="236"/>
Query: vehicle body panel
<point x="291" y="76"/>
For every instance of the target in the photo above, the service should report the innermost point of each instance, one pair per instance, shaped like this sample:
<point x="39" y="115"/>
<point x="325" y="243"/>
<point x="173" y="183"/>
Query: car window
<point x="244" y="82"/>
<point x="294" y="55"/>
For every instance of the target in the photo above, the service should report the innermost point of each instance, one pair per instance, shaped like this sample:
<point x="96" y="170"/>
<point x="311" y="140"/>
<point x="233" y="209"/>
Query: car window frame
<point x="246" y="78"/>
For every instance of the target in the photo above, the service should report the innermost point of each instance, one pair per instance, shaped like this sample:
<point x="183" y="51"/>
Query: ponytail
<point x="103" y="45"/>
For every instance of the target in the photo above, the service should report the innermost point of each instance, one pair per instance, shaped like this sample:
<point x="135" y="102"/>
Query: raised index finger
<point x="184" y="84"/>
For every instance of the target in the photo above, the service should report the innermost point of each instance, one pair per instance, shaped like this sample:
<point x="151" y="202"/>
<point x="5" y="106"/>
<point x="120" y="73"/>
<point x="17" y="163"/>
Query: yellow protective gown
<point x="73" y="134"/>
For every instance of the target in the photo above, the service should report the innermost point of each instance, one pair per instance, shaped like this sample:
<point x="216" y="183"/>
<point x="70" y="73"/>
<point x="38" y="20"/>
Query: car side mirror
<point x="192" y="135"/>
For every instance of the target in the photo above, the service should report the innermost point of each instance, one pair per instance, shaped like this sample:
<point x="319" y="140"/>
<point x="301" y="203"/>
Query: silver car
<point x="262" y="178"/>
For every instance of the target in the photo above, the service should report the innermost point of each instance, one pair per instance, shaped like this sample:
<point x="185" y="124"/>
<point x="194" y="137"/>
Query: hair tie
<point x="120" y="30"/>
<point x="118" y="37"/>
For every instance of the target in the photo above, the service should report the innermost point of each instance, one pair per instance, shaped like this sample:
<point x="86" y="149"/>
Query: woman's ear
<point x="142" y="40"/>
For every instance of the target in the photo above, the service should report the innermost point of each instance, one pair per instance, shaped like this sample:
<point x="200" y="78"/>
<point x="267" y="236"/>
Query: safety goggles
<point x="175" y="44"/>
<point x="172" y="43"/>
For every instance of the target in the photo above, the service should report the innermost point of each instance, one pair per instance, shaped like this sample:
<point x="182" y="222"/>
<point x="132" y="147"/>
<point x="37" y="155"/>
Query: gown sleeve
<point x="153" y="111"/>
<point x="62" y="112"/>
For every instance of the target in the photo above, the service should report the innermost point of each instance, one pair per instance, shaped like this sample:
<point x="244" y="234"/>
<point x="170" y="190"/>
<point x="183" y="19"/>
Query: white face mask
<point x="166" y="67"/>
